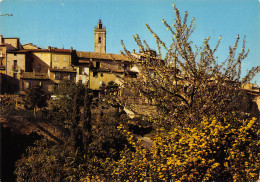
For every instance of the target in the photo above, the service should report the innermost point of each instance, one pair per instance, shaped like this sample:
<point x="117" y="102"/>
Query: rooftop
<point x="104" y="56"/>
<point x="42" y="50"/>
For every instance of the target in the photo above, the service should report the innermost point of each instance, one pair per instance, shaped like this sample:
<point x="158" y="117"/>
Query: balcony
<point x="34" y="76"/>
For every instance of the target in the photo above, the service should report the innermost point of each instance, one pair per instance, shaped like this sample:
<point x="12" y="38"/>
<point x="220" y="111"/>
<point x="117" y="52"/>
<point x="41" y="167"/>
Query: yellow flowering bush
<point x="218" y="149"/>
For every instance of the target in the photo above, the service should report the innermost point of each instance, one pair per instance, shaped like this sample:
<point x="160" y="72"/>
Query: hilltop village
<point x="25" y="66"/>
<point x="172" y="126"/>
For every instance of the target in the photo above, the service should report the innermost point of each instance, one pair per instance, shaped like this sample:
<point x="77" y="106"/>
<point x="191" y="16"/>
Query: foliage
<point x="35" y="97"/>
<point x="7" y="106"/>
<point x="65" y="92"/>
<point x="224" y="150"/>
<point x="71" y="115"/>
<point x="90" y="144"/>
<point x="49" y="162"/>
<point x="65" y="88"/>
<point x="111" y="88"/>
<point x="63" y="162"/>
<point x="189" y="82"/>
<point x="70" y="96"/>
<point x="107" y="139"/>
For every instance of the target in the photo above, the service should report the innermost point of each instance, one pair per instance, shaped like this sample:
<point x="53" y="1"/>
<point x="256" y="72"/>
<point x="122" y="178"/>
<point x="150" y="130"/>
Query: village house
<point x="8" y="72"/>
<point x="25" y="66"/>
<point x="49" y="67"/>
<point x="29" y="65"/>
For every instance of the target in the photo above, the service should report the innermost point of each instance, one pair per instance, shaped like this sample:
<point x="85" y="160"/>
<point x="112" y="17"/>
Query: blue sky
<point x="66" y="23"/>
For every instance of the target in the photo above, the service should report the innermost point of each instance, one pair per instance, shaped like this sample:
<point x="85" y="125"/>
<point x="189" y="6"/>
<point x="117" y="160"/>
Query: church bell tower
<point x="100" y="38"/>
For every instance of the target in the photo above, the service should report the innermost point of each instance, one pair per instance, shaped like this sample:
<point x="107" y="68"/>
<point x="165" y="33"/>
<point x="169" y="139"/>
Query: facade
<point x="102" y="68"/>
<point x="3" y="58"/>
<point x="25" y="67"/>
<point x="9" y="72"/>
<point x="48" y="67"/>
<point x="30" y="65"/>
<point x="7" y="44"/>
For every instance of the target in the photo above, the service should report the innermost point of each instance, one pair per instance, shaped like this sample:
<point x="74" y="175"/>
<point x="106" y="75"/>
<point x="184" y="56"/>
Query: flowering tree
<point x="188" y="83"/>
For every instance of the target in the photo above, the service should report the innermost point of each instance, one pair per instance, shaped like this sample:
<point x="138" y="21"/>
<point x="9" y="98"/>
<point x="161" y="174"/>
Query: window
<point x="70" y="77"/>
<point x="80" y="81"/>
<point x="14" y="54"/>
<point x="95" y="74"/>
<point x="64" y="59"/>
<point x="99" y="39"/>
<point x="101" y="74"/>
<point x="97" y="64"/>
<point x="80" y="70"/>
<point x="15" y="65"/>
<point x="57" y="76"/>
<point x="55" y="59"/>
<point x="27" y="85"/>
<point x="15" y="75"/>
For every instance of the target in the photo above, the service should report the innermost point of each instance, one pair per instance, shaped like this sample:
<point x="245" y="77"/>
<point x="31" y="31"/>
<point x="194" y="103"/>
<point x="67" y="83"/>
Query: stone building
<point x="30" y="65"/>
<point x="8" y="72"/>
<point x="23" y="67"/>
<point x="48" y="67"/>
<point x="102" y="68"/>
<point x="7" y="44"/>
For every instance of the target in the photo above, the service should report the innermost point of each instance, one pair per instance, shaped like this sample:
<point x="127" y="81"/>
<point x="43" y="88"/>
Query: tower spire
<point x="100" y="38"/>
<point x="99" y="24"/>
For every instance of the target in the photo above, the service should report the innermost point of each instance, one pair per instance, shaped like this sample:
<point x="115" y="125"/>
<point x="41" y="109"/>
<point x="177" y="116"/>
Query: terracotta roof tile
<point x="19" y="51"/>
<point x="105" y="56"/>
<point x="4" y="44"/>
<point x="41" y="50"/>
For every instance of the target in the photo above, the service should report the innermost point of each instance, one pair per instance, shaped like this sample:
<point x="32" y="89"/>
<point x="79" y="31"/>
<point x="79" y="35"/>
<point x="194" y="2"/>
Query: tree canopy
<point x="35" y="97"/>
<point x="189" y="82"/>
